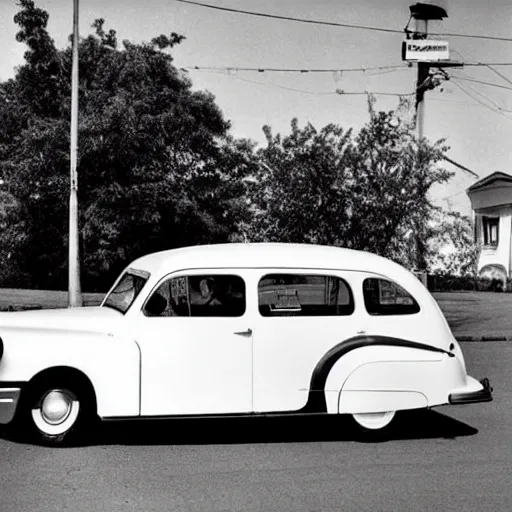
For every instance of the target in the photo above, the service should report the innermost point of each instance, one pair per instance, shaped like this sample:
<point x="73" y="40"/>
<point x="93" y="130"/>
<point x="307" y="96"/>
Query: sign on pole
<point x="425" y="50"/>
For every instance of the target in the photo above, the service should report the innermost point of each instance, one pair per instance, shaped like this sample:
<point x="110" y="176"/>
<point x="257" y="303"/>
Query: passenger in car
<point x="207" y="295"/>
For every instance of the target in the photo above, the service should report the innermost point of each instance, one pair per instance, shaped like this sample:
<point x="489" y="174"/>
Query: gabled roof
<point x="495" y="176"/>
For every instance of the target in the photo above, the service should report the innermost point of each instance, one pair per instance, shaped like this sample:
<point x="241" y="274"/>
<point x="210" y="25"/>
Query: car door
<point x="302" y="314"/>
<point x="196" y="345"/>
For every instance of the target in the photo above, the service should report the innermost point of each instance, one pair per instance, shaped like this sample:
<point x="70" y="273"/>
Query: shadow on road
<point x="411" y="425"/>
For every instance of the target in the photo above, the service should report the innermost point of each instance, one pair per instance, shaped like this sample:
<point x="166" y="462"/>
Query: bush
<point x="449" y="282"/>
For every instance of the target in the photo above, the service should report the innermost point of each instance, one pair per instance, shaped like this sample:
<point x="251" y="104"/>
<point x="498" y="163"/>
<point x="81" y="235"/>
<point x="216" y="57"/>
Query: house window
<point x="490" y="227"/>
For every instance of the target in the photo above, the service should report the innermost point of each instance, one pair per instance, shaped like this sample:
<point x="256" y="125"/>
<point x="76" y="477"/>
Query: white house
<point x="491" y="201"/>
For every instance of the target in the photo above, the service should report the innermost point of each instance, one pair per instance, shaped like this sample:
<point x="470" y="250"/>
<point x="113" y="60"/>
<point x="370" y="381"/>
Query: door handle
<point x="244" y="333"/>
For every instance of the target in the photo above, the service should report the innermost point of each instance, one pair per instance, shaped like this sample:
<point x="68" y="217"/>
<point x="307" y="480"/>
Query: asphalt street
<point x="451" y="458"/>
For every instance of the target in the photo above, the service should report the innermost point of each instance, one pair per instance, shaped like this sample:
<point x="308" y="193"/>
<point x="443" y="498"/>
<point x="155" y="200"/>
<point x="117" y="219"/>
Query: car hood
<point x="86" y="318"/>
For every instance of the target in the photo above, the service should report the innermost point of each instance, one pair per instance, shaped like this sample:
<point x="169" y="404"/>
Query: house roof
<point x="495" y="176"/>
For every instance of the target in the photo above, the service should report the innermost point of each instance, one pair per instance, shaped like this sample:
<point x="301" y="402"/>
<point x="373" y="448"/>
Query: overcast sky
<point x="472" y="116"/>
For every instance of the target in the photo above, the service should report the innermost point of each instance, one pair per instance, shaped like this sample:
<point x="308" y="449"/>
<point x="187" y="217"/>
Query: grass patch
<point x="46" y="299"/>
<point x="477" y="313"/>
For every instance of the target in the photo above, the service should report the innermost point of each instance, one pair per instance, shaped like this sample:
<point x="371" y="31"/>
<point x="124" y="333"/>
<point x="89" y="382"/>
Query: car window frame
<point x="305" y="272"/>
<point x="140" y="273"/>
<point x="197" y="272"/>
<point x="390" y="310"/>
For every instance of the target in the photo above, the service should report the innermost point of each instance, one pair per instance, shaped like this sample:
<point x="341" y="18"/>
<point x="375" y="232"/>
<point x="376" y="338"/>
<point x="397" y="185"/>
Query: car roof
<point x="266" y="254"/>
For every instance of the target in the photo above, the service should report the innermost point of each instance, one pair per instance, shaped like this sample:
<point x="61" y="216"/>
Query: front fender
<point x="112" y="363"/>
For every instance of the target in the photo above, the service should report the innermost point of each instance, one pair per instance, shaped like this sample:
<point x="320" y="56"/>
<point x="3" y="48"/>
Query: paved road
<point x="456" y="459"/>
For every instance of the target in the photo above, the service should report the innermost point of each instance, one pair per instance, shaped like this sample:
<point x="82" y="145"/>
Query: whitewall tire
<point x="57" y="412"/>
<point x="374" y="421"/>
<point x="54" y="413"/>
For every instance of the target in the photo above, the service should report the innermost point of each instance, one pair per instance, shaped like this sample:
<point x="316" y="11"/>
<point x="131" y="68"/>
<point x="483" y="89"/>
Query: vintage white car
<point x="235" y="329"/>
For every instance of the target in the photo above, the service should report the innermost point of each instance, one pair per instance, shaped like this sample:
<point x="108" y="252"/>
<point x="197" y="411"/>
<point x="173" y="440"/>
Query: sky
<point x="475" y="119"/>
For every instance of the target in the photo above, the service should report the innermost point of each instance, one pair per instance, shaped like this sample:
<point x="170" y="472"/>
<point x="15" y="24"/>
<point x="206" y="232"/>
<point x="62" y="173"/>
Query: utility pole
<point x="422" y="13"/>
<point x="428" y="53"/>
<point x="74" y="292"/>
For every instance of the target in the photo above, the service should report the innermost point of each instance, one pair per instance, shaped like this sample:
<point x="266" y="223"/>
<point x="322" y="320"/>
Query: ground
<point x="450" y="459"/>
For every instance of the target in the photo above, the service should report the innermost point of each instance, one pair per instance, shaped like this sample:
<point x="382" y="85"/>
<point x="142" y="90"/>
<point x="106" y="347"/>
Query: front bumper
<point x="9" y="397"/>
<point x="471" y="397"/>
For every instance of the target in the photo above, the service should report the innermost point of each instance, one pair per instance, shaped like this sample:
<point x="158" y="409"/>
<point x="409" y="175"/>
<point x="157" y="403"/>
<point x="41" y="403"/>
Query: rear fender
<point x="377" y="369"/>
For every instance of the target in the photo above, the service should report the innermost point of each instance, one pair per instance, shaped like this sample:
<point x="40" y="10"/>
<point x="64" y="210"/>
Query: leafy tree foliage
<point x="452" y="249"/>
<point x="366" y="191"/>
<point x="156" y="167"/>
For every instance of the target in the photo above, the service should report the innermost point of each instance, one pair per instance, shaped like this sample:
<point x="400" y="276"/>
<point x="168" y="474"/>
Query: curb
<point x="488" y="337"/>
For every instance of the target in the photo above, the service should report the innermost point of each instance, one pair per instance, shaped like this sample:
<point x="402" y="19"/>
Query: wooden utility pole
<point x="74" y="292"/>
<point x="428" y="54"/>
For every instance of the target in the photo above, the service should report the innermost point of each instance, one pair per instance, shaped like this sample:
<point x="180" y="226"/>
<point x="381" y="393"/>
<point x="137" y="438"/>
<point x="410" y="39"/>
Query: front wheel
<point x="54" y="414"/>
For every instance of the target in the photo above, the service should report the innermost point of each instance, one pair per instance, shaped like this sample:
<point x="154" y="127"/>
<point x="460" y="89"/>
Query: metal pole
<point x="74" y="292"/>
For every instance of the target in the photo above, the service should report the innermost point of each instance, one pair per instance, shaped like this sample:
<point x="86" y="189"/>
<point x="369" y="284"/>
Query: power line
<point x="472" y="36"/>
<point x="499" y="74"/>
<point x="464" y="90"/>
<point x="486" y="63"/>
<point x="290" y="18"/>
<point x="487" y="99"/>
<point x="295" y="70"/>
<point x="339" y="92"/>
<point x="489" y="66"/>
<point x="482" y="82"/>
<point x="316" y="93"/>
<point x="324" y="70"/>
<point x="332" y="23"/>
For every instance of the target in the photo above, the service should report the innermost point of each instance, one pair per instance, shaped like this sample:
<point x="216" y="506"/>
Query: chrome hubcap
<point x="56" y="407"/>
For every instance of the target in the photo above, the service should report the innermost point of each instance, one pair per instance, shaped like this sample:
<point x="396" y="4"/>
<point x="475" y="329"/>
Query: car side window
<point x="217" y="295"/>
<point x="383" y="297"/>
<point x="304" y="295"/>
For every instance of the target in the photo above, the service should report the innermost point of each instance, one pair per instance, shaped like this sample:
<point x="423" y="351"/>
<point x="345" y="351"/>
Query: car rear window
<point x="384" y="297"/>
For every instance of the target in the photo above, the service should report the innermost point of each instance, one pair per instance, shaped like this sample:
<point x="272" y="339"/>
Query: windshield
<point x="126" y="290"/>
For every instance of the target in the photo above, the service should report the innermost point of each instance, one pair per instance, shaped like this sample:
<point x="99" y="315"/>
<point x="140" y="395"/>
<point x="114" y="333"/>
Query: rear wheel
<point x="374" y="421"/>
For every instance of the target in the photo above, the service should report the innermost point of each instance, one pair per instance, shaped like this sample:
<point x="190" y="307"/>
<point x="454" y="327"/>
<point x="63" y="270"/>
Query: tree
<point x="300" y="192"/>
<point x="452" y="246"/>
<point x="157" y="167"/>
<point x="393" y="174"/>
<point x="367" y="191"/>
